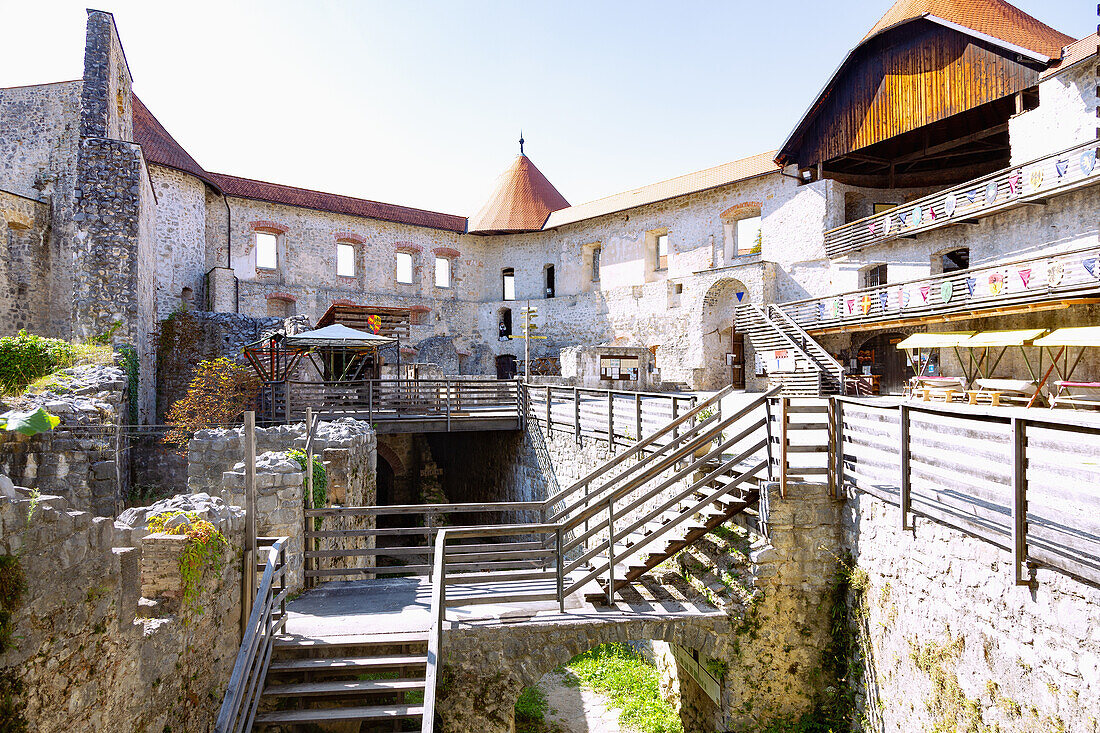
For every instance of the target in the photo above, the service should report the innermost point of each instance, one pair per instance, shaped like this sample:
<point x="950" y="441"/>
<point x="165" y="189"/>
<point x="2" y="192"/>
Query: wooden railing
<point x="799" y="436"/>
<point x="1019" y="185"/>
<point x="380" y="400"/>
<point x="268" y="617"/>
<point x="1024" y="483"/>
<point x="618" y="417"/>
<point x="1004" y="286"/>
<point x="416" y="543"/>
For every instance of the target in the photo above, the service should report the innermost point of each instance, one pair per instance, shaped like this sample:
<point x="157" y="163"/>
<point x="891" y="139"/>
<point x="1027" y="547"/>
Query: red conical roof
<point x="521" y="201"/>
<point x="995" y="18"/>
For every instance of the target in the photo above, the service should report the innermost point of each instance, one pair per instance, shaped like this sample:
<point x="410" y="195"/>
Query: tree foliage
<point x="220" y="391"/>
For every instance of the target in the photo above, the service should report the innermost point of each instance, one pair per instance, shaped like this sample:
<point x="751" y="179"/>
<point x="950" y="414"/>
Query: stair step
<point x="372" y="712"/>
<point x="364" y="640"/>
<point x="347" y="663"/>
<point x="341" y="687"/>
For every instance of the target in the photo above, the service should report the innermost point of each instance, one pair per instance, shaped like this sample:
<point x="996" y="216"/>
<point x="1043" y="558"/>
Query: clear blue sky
<point x="420" y="103"/>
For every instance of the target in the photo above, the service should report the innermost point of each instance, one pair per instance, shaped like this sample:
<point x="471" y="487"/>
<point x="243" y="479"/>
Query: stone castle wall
<point x="90" y="651"/>
<point x="951" y="643"/>
<point x="180" y="240"/>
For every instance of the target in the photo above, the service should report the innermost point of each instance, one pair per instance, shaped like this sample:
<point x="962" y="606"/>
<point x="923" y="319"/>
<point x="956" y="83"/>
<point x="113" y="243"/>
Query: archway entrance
<point x="723" y="344"/>
<point x="880" y="357"/>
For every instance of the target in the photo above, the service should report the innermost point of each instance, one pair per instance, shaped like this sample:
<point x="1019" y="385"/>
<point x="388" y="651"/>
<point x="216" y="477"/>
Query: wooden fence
<point x="1026" y="483"/>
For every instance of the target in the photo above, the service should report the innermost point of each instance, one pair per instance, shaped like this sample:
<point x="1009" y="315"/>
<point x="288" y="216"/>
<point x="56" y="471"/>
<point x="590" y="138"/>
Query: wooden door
<point x="737" y="359"/>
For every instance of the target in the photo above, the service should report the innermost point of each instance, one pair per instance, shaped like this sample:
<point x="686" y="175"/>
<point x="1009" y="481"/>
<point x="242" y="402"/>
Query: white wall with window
<point x="442" y="272"/>
<point x="508" y="283"/>
<point x="345" y="259"/>
<point x="404" y="268"/>
<point x="267" y="251"/>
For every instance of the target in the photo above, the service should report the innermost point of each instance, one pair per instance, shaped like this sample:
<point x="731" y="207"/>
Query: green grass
<point x="531" y="710"/>
<point x="631" y="684"/>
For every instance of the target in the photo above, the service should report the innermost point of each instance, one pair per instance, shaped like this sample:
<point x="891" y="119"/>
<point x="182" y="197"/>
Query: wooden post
<point x="831" y="446"/>
<point x="610" y="420"/>
<point x="783" y="403"/>
<point x="638" y="415"/>
<point x="549" y="417"/>
<point x="770" y="430"/>
<point x="1019" y="499"/>
<point x="905" y="498"/>
<point x="248" y="570"/>
<point x="447" y="387"/>
<point x="839" y="448"/>
<point x="429" y="522"/>
<point x="288" y="412"/>
<point x="577" y="412"/>
<point x="610" y="551"/>
<point x="308" y="503"/>
<point x="561" y="571"/>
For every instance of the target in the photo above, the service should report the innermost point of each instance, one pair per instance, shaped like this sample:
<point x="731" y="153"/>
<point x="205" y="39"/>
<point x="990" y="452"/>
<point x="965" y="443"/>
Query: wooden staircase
<point x="375" y="680"/>
<point x="687" y="479"/>
<point x="814" y="372"/>
<point x="689" y="530"/>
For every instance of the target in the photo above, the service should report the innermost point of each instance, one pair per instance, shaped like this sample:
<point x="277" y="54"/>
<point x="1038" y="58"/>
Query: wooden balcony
<point x="1021" y="185"/>
<point x="1036" y="283"/>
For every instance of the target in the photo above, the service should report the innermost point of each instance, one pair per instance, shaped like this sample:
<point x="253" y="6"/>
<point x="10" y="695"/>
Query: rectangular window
<point x="596" y="265"/>
<point x="748" y="236"/>
<point x="404" y="268"/>
<point x="266" y="245"/>
<point x="345" y="260"/>
<point x="662" y="251"/>
<point x="508" y="278"/>
<point x="874" y="276"/>
<point x="442" y="272"/>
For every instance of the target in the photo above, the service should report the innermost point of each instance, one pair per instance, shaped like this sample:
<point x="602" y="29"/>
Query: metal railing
<point x="1024" y="483"/>
<point x="268" y="617"/>
<point x="380" y="400"/>
<point x="616" y="416"/>
<point x="1018" y="185"/>
<point x="1003" y="286"/>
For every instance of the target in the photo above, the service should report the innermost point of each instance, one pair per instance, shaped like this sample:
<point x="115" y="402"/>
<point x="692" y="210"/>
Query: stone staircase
<point x="814" y="371"/>
<point x="372" y="682"/>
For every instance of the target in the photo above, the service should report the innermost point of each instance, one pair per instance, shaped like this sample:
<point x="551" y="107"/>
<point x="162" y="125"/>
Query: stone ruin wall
<point x="99" y="637"/>
<point x="348" y="449"/>
<point x="84" y="459"/>
<point x="948" y="637"/>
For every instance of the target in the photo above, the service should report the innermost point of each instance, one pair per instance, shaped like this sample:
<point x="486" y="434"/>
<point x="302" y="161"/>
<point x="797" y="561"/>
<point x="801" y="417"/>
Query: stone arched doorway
<point x="723" y="346"/>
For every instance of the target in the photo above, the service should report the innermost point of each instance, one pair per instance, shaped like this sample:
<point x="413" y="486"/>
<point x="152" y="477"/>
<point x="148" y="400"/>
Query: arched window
<point x="504" y="324"/>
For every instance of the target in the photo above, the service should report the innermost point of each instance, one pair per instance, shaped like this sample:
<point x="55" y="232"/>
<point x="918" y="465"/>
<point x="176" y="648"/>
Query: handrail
<point x="637" y="448"/>
<point x="830" y="362"/>
<point x="242" y="694"/>
<point x="435" y="634"/>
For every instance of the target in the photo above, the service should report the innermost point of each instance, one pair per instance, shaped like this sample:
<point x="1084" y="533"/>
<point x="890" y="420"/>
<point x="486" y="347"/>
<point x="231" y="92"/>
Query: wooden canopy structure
<point x="925" y="97"/>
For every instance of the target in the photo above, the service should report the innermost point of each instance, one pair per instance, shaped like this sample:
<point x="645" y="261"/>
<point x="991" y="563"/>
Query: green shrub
<point x="531" y="710"/>
<point x="631" y="683"/>
<point x="26" y="357"/>
<point x="320" y="480"/>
